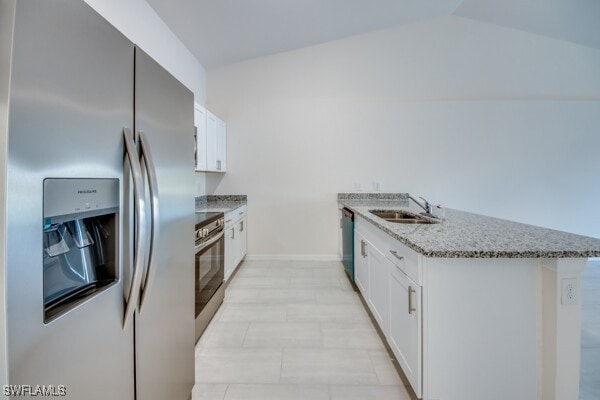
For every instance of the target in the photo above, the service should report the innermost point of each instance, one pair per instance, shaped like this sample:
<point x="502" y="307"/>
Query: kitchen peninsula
<point x="472" y="306"/>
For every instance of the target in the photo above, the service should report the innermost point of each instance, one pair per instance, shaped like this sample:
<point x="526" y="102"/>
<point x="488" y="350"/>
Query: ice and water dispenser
<point x="81" y="221"/>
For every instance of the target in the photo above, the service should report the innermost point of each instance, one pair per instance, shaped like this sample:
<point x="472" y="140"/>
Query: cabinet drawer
<point x="408" y="260"/>
<point x="233" y="216"/>
<point x="240" y="212"/>
<point x="405" y="259"/>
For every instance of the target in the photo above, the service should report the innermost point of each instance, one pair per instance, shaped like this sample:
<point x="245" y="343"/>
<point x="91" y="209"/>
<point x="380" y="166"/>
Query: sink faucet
<point x="427" y="207"/>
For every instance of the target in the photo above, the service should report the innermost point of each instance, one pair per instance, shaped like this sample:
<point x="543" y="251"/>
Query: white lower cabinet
<point x="236" y="239"/>
<point x="229" y="251"/>
<point x="405" y="326"/>
<point x="381" y="265"/>
<point x="379" y="287"/>
<point x="361" y="266"/>
<point x="457" y="324"/>
<point x="242" y="240"/>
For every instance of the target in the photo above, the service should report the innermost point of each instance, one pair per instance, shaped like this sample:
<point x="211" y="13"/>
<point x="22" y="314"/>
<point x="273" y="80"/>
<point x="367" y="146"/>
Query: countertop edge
<point x="470" y="254"/>
<point x="221" y="206"/>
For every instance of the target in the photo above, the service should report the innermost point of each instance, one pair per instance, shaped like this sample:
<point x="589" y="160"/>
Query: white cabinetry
<point x="235" y="239"/>
<point x="383" y="268"/>
<point x="405" y="325"/>
<point x="200" y="132"/>
<point x="221" y="150"/>
<point x="216" y="143"/>
<point x="456" y="324"/>
<point x="243" y="243"/>
<point x="211" y="141"/>
<point x="361" y="265"/>
<point x="379" y="287"/>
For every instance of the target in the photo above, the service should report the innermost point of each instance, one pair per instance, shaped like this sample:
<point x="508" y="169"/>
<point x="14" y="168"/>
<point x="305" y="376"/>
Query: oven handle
<point x="204" y="245"/>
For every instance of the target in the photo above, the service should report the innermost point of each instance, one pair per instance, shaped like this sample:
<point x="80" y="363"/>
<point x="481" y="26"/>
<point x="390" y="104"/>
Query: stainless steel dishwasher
<point x="348" y="242"/>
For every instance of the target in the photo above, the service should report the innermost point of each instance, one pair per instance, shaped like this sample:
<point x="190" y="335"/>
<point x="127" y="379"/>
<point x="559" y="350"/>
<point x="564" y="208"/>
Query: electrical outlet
<point x="376" y="186"/>
<point x="569" y="291"/>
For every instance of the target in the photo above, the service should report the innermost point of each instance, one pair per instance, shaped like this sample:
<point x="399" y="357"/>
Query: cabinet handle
<point x="233" y="232"/>
<point x="410" y="303"/>
<point x="363" y="248"/>
<point x="395" y="254"/>
<point x="228" y="221"/>
<point x="242" y="226"/>
<point x="219" y="165"/>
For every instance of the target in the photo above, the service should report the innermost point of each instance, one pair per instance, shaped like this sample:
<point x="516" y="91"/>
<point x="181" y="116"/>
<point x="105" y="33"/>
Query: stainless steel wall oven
<point x="209" y="267"/>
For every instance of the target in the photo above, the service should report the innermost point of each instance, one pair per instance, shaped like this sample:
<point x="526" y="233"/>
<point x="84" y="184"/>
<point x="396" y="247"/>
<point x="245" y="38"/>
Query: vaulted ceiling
<point x="220" y="32"/>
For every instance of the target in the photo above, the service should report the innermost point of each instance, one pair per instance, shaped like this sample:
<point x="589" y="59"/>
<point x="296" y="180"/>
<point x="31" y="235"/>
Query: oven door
<point x="210" y="269"/>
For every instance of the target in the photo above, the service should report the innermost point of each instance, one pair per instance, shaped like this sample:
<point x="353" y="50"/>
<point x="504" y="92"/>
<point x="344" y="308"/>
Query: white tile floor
<point x="296" y="330"/>
<point x="589" y="388"/>
<point x="290" y="331"/>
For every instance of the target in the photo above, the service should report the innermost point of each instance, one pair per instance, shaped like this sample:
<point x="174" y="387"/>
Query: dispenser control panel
<point x="66" y="196"/>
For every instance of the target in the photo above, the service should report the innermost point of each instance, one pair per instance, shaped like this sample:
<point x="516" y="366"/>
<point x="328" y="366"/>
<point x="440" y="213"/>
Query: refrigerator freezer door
<point x="71" y="95"/>
<point x="164" y="326"/>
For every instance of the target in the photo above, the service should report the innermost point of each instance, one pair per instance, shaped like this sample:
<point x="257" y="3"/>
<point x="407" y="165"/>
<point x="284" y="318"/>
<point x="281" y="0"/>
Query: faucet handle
<point x="428" y="206"/>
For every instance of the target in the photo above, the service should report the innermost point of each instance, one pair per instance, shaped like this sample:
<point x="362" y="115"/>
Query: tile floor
<point x="293" y="330"/>
<point x="297" y="330"/>
<point x="589" y="388"/>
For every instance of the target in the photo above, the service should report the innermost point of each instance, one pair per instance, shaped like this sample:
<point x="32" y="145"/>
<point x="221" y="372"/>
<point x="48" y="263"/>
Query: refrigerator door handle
<point x="140" y="218"/>
<point x="154" y="220"/>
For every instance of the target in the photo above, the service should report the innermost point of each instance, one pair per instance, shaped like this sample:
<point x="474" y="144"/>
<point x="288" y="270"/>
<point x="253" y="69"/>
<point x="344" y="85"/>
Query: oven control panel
<point x="208" y="229"/>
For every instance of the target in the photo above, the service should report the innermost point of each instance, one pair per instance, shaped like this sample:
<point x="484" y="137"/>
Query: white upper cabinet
<point x="200" y="132"/>
<point x="221" y="151"/>
<point x="211" y="141"/>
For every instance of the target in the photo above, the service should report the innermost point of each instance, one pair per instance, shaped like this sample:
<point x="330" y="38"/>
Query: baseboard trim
<point x="293" y="257"/>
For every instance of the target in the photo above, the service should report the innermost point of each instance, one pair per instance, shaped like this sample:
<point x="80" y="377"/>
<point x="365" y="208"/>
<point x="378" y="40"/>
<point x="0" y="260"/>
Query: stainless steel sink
<point x="400" y="217"/>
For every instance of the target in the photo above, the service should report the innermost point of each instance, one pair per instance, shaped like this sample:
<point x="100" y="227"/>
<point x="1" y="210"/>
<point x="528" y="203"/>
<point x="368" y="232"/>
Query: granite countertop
<point x="467" y="235"/>
<point x="220" y="203"/>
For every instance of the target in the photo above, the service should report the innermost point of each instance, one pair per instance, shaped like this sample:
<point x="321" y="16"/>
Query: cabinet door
<point x="230" y="250"/>
<point x="405" y="326"/>
<point x="379" y="287"/>
<point x="211" y="141"/>
<point x="361" y="266"/>
<point x="221" y="146"/>
<point x="243" y="236"/>
<point x="200" y="128"/>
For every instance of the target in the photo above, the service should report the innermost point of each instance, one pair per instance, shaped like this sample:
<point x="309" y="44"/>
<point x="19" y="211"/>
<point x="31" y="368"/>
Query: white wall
<point x="468" y="114"/>
<point x="142" y="25"/>
<point x="200" y="183"/>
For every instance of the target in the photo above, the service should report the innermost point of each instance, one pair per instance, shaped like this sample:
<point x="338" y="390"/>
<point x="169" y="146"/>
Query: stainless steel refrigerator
<point x="99" y="202"/>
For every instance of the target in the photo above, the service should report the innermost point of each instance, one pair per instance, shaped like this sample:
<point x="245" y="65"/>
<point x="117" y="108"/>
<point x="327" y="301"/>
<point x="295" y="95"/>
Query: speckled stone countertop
<point x="220" y="203"/>
<point x="468" y="235"/>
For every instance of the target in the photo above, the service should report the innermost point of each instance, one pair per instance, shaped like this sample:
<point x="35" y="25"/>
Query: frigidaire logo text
<point x="86" y="191"/>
